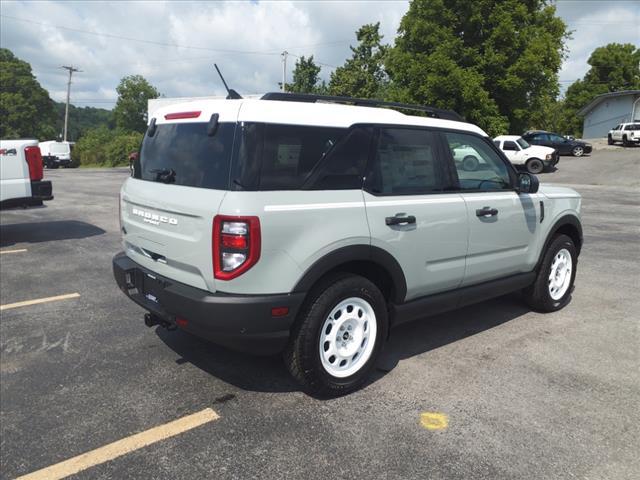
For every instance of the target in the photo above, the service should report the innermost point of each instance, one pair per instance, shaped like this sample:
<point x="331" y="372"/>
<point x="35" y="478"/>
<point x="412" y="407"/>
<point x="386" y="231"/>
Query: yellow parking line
<point x="18" y="250"/>
<point x="122" y="447"/>
<point x="434" y="420"/>
<point x="38" y="300"/>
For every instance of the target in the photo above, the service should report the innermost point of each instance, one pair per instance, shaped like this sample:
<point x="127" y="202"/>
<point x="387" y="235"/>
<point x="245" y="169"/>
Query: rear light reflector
<point x="182" y="322"/>
<point x="180" y="115"/>
<point x="279" y="311"/>
<point x="34" y="160"/>
<point x="236" y="245"/>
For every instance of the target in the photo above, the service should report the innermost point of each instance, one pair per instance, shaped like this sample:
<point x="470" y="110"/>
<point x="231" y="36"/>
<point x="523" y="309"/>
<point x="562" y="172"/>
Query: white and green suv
<point x="312" y="225"/>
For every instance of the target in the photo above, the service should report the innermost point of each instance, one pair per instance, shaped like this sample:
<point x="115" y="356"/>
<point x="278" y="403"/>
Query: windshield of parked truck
<point x="59" y="148"/>
<point x="523" y="143"/>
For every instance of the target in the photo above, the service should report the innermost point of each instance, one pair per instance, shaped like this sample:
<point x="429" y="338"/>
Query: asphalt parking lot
<point x="526" y="395"/>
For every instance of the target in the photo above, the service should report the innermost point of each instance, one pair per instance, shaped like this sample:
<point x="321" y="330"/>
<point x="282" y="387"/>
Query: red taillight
<point x="236" y="245"/>
<point x="179" y="115"/>
<point x="34" y="160"/>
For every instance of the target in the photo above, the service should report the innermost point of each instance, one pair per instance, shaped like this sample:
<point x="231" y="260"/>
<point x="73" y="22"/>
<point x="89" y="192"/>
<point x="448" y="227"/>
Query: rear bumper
<point x="240" y="322"/>
<point x="40" y="191"/>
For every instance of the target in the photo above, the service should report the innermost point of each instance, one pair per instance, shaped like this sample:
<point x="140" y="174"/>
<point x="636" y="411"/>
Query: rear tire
<point x="534" y="165"/>
<point x="625" y="142"/>
<point x="338" y="335"/>
<point x="553" y="286"/>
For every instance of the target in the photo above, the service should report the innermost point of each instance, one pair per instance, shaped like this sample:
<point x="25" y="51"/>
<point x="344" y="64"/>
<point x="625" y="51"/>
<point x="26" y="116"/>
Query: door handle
<point x="399" y="219"/>
<point x="486" y="212"/>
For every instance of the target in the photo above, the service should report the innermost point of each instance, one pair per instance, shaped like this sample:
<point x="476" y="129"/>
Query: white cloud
<point x="322" y="28"/>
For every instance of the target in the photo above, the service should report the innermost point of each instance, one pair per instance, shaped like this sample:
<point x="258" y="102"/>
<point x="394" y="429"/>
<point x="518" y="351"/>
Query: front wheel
<point x="609" y="140"/>
<point x="470" y="163"/>
<point x="535" y="166"/>
<point x="552" y="288"/>
<point x="577" y="151"/>
<point x="338" y="335"/>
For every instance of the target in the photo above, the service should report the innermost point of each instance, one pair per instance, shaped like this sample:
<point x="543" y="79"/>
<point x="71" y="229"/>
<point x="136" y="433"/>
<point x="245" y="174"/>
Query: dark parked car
<point x="563" y="145"/>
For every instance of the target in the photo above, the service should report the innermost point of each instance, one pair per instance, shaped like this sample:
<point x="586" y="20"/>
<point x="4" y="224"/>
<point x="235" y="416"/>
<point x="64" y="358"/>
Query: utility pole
<point x="66" y="109"/>
<point x="284" y="71"/>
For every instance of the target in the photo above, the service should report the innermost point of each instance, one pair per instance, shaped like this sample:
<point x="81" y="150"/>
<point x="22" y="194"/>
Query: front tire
<point x="338" y="335"/>
<point x="553" y="286"/>
<point x="609" y="140"/>
<point x="535" y="166"/>
<point x="577" y="151"/>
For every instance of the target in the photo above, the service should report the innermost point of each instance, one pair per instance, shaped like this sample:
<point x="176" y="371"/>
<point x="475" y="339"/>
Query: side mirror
<point x="528" y="183"/>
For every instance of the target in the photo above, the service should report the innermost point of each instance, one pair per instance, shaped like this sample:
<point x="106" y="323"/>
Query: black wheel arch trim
<point x="351" y="253"/>
<point x="568" y="219"/>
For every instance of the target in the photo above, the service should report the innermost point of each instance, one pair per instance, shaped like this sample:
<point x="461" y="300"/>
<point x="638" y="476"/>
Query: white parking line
<point x="122" y="447"/>
<point x="39" y="300"/>
<point x="17" y="250"/>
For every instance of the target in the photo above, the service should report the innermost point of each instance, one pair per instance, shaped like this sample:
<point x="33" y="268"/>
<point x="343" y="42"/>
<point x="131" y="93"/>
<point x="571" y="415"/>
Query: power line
<point x="174" y="45"/>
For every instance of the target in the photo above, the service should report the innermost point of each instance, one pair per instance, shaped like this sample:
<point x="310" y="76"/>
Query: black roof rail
<point x="363" y="102"/>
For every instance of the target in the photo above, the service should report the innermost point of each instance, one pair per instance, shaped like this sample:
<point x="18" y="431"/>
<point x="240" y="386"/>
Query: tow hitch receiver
<point x="151" y="320"/>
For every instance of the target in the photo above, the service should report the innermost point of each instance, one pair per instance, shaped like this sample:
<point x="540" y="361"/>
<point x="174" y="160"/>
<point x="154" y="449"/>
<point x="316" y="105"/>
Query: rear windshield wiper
<point x="164" y="175"/>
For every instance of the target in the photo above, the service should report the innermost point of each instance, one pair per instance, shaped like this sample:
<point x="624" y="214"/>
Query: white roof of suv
<point x="302" y="113"/>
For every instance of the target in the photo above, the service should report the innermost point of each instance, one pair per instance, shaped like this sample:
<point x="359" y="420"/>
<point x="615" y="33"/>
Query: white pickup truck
<point x="21" y="172"/>
<point x="627" y="133"/>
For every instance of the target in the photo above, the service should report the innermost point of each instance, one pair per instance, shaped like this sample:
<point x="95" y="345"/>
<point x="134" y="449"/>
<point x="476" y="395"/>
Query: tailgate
<point x="167" y="228"/>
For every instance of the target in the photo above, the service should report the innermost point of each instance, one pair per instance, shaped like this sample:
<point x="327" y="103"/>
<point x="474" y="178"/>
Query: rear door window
<point x="343" y="167"/>
<point x="183" y="154"/>
<point x="291" y="152"/>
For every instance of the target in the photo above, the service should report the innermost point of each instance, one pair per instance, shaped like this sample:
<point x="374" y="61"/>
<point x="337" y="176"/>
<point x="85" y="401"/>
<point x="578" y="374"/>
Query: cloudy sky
<point x="174" y="44"/>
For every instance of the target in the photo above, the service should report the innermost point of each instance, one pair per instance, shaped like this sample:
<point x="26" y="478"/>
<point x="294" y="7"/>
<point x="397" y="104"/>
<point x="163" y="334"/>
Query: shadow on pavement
<point x="38" y="232"/>
<point x="268" y="374"/>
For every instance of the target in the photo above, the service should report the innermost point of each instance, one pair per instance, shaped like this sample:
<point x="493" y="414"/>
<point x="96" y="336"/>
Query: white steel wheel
<point x="560" y="274"/>
<point x="348" y="337"/>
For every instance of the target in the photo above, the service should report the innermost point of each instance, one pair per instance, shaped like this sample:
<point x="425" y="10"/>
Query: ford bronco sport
<point x="311" y="225"/>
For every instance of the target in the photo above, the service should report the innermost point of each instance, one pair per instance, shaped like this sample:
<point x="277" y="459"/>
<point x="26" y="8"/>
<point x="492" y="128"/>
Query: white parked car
<point x="533" y="158"/>
<point x="627" y="133"/>
<point x="21" y="183"/>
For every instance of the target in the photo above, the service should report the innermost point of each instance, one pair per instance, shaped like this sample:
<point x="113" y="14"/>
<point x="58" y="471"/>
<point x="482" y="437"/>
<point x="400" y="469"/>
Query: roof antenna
<point x="231" y="93"/>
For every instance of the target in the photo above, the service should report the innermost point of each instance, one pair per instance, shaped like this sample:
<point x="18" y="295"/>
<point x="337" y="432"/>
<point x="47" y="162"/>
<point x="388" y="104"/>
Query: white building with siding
<point x="608" y="110"/>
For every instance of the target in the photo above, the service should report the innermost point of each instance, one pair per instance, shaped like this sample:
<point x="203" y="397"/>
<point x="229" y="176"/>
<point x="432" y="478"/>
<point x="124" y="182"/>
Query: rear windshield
<point x="183" y="154"/>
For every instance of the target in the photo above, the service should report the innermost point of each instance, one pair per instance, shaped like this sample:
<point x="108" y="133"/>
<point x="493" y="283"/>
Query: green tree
<point x="495" y="64"/>
<point x="25" y="107"/>
<point x="82" y="119"/>
<point x="130" y="112"/>
<point x="614" y="67"/>
<point x="306" y="77"/>
<point x="105" y="147"/>
<point x="363" y="74"/>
